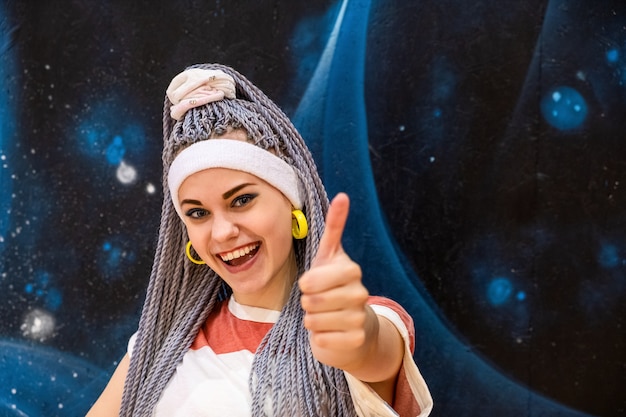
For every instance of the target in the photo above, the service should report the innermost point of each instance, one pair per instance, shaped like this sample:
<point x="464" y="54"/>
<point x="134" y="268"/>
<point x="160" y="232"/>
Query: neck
<point x="276" y="297"/>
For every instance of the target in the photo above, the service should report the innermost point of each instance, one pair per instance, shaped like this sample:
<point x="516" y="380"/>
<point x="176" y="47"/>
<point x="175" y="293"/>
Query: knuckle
<point x="357" y="320"/>
<point x="304" y="302"/>
<point x="353" y="270"/>
<point x="319" y="340"/>
<point x="309" y="322"/>
<point x="307" y="302"/>
<point x="314" y="303"/>
<point x="358" y="297"/>
<point x="362" y="295"/>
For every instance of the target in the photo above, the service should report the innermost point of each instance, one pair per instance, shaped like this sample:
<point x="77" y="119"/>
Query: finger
<point x="335" y="321"/>
<point x="336" y="218"/>
<point x="334" y="341"/>
<point x="342" y="271"/>
<point x="336" y="299"/>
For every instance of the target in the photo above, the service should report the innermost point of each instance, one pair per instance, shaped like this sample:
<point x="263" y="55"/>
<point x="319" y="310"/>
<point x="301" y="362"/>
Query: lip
<point x="239" y="252"/>
<point x="252" y="250"/>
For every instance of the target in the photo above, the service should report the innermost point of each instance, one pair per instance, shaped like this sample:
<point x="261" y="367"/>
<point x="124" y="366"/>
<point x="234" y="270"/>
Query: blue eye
<point x="243" y="200"/>
<point x="196" y="213"/>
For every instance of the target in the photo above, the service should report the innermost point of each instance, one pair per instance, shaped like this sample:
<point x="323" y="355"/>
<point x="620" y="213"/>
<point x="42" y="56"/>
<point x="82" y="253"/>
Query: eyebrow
<point x="232" y="191"/>
<point x="225" y="196"/>
<point x="189" y="201"/>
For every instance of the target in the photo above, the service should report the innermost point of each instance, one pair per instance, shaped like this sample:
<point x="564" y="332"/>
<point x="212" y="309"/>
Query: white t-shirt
<point x="212" y="379"/>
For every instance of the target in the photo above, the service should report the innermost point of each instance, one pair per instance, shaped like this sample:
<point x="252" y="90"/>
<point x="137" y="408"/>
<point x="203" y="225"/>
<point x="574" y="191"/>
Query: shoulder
<point x="394" y="312"/>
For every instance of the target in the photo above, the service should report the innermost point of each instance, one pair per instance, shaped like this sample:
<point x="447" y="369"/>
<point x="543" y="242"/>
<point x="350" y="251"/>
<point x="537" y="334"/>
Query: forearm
<point x="380" y="357"/>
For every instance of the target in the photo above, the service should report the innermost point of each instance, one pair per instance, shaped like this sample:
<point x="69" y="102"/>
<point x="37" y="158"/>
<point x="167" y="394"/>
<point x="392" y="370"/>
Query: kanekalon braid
<point x="285" y="380"/>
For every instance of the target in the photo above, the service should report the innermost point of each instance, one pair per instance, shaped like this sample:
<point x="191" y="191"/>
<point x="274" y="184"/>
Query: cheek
<point x="196" y="236"/>
<point x="281" y="232"/>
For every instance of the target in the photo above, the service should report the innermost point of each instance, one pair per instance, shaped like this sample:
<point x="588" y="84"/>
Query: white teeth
<point x="237" y="253"/>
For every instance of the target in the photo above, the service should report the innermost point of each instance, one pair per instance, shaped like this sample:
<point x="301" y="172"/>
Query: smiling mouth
<point x="241" y="255"/>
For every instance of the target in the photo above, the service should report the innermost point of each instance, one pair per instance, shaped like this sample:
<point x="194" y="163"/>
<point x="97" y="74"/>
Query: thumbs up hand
<point x="334" y="298"/>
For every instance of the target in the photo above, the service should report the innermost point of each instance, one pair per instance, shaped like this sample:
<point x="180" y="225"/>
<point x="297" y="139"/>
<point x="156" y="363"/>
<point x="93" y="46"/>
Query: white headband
<point x="237" y="155"/>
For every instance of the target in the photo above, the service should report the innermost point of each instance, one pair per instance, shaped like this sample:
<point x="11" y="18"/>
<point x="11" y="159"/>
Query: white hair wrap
<point x="196" y="87"/>
<point x="237" y="155"/>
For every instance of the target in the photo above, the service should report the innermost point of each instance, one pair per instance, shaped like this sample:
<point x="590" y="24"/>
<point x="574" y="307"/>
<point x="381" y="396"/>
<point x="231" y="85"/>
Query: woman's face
<point x="241" y="227"/>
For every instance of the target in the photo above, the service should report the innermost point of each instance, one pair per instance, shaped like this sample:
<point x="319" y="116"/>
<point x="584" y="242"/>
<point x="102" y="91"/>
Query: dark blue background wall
<point x="482" y="144"/>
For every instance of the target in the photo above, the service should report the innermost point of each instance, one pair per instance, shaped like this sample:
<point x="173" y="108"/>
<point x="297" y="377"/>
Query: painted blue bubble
<point x="612" y="55"/>
<point x="564" y="108"/>
<point x="115" y="151"/>
<point x="43" y="278"/>
<point x="29" y="288"/>
<point x="101" y="134"/>
<point x="114" y="257"/>
<point x="521" y="296"/>
<point x="91" y="138"/>
<point x="53" y="299"/>
<point x="609" y="256"/>
<point x="499" y="291"/>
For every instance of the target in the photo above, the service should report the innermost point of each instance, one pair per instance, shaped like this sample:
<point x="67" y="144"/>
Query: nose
<point x="223" y="228"/>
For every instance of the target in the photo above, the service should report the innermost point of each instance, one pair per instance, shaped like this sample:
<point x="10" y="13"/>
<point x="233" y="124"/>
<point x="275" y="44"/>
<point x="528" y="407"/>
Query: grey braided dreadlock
<point x="285" y="377"/>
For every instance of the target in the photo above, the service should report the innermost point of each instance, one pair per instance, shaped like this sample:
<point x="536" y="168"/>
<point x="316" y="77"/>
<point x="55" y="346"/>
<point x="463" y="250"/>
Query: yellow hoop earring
<point x="299" y="225"/>
<point x="191" y="258"/>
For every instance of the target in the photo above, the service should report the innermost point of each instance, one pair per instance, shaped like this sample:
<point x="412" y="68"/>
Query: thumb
<point x="330" y="243"/>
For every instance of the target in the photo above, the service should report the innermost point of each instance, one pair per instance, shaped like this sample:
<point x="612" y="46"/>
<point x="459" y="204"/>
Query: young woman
<point x="253" y="307"/>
